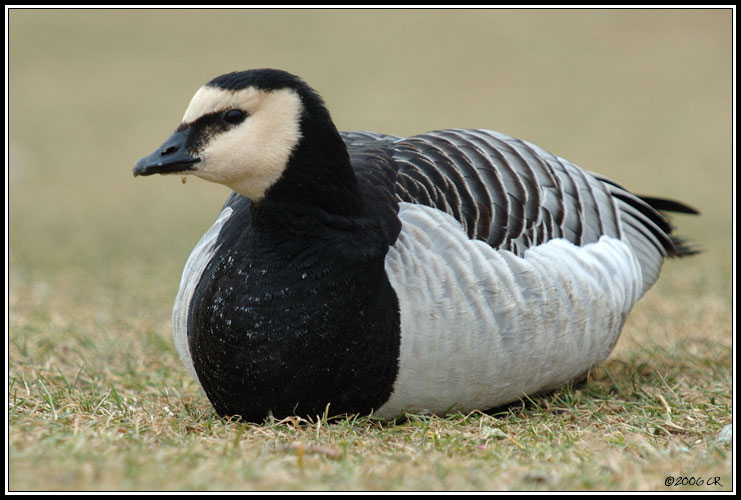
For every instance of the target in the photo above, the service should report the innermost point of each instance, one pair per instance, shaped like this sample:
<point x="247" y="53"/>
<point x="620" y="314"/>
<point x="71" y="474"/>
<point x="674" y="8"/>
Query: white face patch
<point x="249" y="157"/>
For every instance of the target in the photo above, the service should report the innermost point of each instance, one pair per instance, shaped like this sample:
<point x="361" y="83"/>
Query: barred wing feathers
<point x="515" y="195"/>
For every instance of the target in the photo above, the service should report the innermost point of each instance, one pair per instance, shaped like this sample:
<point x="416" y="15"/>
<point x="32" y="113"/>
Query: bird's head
<point x="243" y="129"/>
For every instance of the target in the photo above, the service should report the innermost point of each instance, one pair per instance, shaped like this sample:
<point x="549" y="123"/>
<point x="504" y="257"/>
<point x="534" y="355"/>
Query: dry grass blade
<point x="300" y="447"/>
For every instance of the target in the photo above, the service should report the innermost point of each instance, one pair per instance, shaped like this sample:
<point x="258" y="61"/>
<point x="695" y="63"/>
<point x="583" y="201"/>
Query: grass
<point x="97" y="397"/>
<point x="122" y="416"/>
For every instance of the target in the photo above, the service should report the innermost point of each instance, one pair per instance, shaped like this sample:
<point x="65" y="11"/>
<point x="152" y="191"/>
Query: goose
<point x="366" y="273"/>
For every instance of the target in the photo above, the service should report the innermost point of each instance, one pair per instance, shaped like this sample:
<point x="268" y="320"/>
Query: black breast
<point x="294" y="312"/>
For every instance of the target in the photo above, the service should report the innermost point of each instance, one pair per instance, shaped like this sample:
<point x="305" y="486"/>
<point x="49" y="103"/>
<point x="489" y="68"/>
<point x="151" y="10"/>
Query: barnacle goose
<point x="449" y="271"/>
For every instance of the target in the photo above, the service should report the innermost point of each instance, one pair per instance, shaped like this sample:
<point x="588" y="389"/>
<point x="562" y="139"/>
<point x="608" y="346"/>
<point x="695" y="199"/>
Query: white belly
<point x="482" y="327"/>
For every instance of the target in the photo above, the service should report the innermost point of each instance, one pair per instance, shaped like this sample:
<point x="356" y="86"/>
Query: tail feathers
<point x="649" y="234"/>
<point x="648" y="229"/>
<point x="683" y="247"/>
<point x="653" y="209"/>
<point x="680" y="246"/>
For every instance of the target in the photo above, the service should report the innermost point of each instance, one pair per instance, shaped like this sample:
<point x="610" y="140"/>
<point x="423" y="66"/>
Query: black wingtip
<point x="666" y="205"/>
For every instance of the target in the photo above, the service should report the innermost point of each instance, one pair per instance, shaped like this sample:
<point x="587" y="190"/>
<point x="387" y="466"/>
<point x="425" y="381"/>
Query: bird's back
<point x="515" y="195"/>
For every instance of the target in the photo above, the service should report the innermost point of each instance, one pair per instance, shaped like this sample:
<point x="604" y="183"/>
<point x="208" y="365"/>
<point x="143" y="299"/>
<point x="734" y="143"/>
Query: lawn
<point x="97" y="396"/>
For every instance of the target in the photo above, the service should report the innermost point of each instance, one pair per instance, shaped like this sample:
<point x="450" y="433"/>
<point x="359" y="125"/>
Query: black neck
<point x="319" y="172"/>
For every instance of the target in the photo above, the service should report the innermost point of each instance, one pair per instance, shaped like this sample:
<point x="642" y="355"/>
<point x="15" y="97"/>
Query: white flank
<point x="482" y="327"/>
<point x="197" y="262"/>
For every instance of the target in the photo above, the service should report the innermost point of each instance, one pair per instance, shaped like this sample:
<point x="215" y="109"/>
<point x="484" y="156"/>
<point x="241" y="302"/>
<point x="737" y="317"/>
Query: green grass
<point x="97" y="397"/>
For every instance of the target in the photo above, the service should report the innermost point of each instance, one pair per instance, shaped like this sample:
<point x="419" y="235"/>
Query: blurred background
<point x="642" y="96"/>
<point x="95" y="255"/>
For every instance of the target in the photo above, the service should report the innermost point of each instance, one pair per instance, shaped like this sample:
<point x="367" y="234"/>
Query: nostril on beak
<point x="168" y="151"/>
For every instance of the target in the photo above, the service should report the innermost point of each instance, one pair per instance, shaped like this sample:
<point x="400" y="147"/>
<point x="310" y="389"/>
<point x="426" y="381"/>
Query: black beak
<point x="169" y="158"/>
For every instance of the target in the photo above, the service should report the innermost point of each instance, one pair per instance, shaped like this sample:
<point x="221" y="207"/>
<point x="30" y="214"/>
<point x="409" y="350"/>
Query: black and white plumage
<point x="449" y="271"/>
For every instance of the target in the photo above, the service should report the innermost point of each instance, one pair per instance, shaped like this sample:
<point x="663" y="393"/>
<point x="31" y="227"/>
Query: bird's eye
<point x="234" y="116"/>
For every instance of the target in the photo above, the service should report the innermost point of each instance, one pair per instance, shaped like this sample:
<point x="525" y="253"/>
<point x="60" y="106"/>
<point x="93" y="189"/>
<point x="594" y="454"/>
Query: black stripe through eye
<point x="234" y="116"/>
<point x="209" y="125"/>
